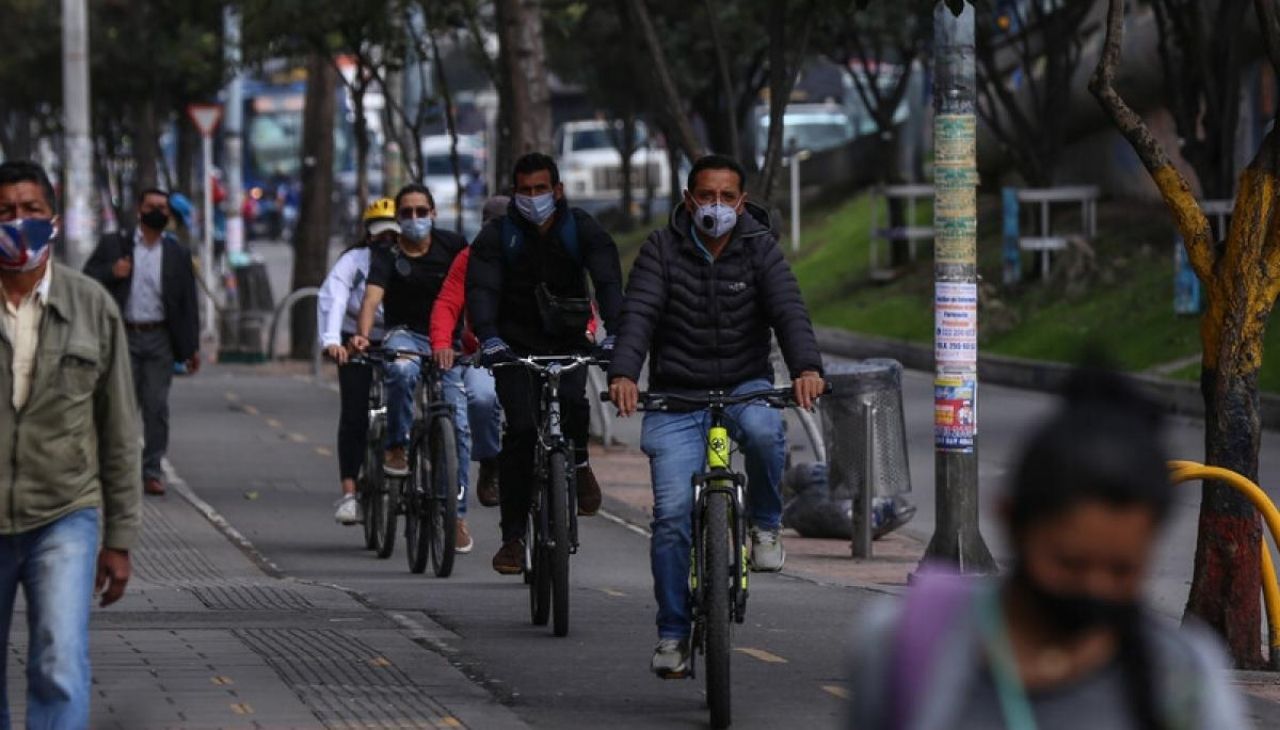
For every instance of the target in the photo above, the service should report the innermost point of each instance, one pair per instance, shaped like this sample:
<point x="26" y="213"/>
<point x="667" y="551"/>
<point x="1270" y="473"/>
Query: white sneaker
<point x="767" y="555"/>
<point x="348" y="512"/>
<point x="671" y="659"/>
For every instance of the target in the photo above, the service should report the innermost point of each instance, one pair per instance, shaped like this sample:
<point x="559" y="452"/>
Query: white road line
<point x="618" y="520"/>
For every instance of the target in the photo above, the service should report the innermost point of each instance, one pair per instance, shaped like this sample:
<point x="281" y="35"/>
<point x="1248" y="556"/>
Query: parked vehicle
<point x="591" y="166"/>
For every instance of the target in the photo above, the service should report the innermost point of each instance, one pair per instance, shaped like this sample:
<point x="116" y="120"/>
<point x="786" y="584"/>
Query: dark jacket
<point x="704" y="324"/>
<point x="501" y="299"/>
<point x="177" y="283"/>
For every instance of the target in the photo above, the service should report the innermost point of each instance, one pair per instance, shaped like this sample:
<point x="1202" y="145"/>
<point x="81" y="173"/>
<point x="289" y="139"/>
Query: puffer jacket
<point x="705" y="323"/>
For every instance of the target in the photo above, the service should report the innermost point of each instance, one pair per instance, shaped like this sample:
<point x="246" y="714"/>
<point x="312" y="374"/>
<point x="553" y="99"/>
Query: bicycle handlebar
<point x="772" y="397"/>
<point x="542" y="364"/>
<point x="383" y="355"/>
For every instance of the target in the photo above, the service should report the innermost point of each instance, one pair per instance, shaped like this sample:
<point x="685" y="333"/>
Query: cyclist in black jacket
<point x="527" y="295"/>
<point x="702" y="299"/>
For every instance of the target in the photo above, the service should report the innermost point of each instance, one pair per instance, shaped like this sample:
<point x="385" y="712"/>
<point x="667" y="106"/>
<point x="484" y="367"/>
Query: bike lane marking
<point x="836" y="691"/>
<point x="762" y="655"/>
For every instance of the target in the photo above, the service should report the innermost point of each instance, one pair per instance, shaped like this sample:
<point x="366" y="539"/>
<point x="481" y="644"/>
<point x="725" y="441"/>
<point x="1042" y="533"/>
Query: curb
<point x="1178" y="397"/>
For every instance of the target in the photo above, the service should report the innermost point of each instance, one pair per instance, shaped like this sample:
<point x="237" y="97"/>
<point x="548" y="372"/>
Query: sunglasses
<point x="419" y="212"/>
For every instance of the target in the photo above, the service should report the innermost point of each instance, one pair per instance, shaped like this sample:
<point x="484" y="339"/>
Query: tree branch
<point x="1187" y="214"/>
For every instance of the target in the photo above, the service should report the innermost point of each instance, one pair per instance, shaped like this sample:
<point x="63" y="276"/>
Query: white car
<point x="591" y="166"/>
<point x="438" y="173"/>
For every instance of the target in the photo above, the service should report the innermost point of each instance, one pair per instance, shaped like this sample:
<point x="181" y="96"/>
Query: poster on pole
<point x="955" y="309"/>
<point x="955" y="417"/>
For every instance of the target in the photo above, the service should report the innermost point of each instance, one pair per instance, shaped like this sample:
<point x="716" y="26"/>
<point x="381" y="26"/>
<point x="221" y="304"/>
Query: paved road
<point x="259" y="450"/>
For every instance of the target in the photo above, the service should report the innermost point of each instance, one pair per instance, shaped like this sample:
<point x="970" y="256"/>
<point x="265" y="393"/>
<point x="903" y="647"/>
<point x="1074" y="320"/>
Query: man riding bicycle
<point x="405" y="279"/>
<point x="527" y="295"/>
<point x="702" y="297"/>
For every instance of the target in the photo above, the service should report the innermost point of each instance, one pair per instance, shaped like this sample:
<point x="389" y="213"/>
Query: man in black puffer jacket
<point x="701" y="300"/>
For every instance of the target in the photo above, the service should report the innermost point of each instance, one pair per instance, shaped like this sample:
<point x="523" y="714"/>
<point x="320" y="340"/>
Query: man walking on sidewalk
<point x="150" y="275"/>
<point x="69" y="457"/>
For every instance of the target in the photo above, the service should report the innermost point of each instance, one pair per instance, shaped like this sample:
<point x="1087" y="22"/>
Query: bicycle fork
<point x="719" y="480"/>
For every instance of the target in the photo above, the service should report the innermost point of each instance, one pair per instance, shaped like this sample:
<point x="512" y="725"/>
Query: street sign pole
<point x="956" y="538"/>
<point x="206" y="117"/>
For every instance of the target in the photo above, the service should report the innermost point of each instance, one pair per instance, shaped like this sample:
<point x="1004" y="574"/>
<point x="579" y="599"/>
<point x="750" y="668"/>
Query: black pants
<point x="354" y="380"/>
<point x="520" y="393"/>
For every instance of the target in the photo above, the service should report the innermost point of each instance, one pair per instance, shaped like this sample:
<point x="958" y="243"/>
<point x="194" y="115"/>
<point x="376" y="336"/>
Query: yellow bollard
<point x="1183" y="471"/>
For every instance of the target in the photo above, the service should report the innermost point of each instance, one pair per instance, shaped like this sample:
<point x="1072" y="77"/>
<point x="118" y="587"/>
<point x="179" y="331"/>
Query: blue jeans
<point x="676" y="444"/>
<point x="55" y="565"/>
<point x="484" y="413"/>
<point x="403" y="376"/>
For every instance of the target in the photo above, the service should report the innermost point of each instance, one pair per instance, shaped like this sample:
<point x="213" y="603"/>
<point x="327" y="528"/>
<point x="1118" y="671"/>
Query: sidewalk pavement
<point x="209" y="636"/>
<point x="628" y="496"/>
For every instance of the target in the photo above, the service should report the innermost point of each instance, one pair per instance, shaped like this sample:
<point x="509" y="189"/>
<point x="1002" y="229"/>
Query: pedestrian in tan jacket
<point x="69" y="451"/>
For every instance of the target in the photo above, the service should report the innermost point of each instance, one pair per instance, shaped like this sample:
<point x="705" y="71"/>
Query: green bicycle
<point x="718" y="569"/>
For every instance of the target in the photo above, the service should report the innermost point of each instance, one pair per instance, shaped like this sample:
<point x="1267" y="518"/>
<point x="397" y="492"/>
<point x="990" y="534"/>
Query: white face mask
<point x="716" y="219"/>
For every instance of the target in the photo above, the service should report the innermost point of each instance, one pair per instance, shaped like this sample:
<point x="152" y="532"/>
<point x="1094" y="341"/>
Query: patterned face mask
<point x="25" y="243"/>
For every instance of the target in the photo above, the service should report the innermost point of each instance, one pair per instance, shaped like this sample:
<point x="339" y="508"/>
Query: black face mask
<point x="1074" y="613"/>
<point x="155" y="219"/>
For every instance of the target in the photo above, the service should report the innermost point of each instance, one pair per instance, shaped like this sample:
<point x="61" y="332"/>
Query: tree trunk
<point x="451" y="125"/>
<point x="730" y="110"/>
<point x="145" y="134"/>
<point x="525" y="69"/>
<point x="361" y="130"/>
<point x="626" y="151"/>
<point x="311" y="239"/>
<point x="669" y="104"/>
<point x="782" y="77"/>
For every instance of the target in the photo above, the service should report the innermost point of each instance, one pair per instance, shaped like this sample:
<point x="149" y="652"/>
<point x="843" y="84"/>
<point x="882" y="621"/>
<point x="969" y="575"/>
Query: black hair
<point x="1102" y="445"/>
<point x="152" y="191"/>
<point x="535" y="162"/>
<point x="412" y="188"/>
<point x="17" y="171"/>
<point x="716" y="162"/>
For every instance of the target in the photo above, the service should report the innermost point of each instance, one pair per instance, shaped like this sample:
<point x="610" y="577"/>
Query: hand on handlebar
<point x="444" y="358"/>
<point x="624" y="394"/>
<point x="337" y="353"/>
<point x="493" y="351"/>
<point x="807" y="388"/>
<point x="359" y="343"/>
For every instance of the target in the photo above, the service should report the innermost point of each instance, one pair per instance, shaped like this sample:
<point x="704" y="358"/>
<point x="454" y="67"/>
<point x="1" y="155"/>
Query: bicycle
<point x="428" y="495"/>
<point x="717" y="579"/>
<point x="551" y="533"/>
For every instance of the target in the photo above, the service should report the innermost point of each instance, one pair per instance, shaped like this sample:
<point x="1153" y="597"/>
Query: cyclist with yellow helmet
<point x="338" y="310"/>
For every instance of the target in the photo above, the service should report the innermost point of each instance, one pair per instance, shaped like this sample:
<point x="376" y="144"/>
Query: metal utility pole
<point x="233" y="138"/>
<point x="79" y="227"/>
<point x="956" y="538"/>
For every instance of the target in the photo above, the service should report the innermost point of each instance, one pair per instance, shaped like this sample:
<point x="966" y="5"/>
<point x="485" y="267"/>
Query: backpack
<point x="513" y="238"/>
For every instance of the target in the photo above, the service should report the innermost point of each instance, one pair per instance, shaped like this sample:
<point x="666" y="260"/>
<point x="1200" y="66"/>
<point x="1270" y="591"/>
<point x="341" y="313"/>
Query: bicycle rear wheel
<point x="442" y="496"/>
<point x="417" y="512"/>
<point x="716" y="554"/>
<point x="558" y="485"/>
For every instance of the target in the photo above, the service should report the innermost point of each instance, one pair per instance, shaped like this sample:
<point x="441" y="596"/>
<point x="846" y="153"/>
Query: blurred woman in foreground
<point x="1062" y="640"/>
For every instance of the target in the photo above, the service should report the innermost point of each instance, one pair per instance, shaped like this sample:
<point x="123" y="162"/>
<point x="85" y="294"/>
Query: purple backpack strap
<point x="931" y="607"/>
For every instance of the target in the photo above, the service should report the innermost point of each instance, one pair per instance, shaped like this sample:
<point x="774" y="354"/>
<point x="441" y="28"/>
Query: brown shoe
<point x="510" y="558"/>
<point x="487" y="484"/>
<point x="395" y="463"/>
<point x="153" y="486"/>
<point x="588" y="492"/>
<point x="462" y="542"/>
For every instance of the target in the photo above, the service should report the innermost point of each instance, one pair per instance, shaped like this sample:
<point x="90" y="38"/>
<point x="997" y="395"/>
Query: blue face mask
<point x="536" y="209"/>
<point x="416" y="229"/>
<point x="25" y="243"/>
<point x="716" y="219"/>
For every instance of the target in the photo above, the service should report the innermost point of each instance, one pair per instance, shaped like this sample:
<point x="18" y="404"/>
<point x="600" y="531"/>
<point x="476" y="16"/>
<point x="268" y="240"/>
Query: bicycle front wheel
<point x="716" y="554"/>
<point x="558" y="485"/>
<point x="370" y="486"/>
<point x="442" y="495"/>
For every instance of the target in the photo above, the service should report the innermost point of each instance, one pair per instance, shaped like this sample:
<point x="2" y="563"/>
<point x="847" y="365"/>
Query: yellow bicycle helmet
<point x="380" y="209"/>
<point x="380" y="217"/>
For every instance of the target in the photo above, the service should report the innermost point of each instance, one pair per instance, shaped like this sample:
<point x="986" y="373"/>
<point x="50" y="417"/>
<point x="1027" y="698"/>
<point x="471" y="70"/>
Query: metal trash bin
<point x="865" y="432"/>
<point x="245" y="320"/>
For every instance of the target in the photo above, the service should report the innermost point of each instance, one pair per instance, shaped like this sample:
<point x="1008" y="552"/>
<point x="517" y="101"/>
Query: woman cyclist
<point x="338" y="308"/>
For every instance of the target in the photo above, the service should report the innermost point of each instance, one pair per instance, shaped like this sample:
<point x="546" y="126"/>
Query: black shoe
<point x="588" y="492"/>
<point x="487" y="484"/>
